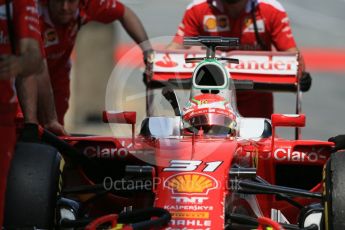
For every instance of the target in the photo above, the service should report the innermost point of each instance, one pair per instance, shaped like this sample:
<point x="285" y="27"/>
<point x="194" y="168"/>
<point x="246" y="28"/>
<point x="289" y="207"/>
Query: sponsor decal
<point x="189" y="223"/>
<point x="166" y="62"/>
<point x="258" y="66"/>
<point x="249" y="26"/>
<point x="98" y="152"/>
<point x="50" y="37"/>
<point x="254" y="64"/>
<point x="32" y="10"/>
<point x="185" y="199"/>
<point x="223" y="23"/>
<point x="188" y="208"/>
<point x="210" y="23"/>
<point x="289" y="155"/>
<point x="32" y="19"/>
<point x="190" y="215"/>
<point x="214" y="23"/>
<point x="190" y="183"/>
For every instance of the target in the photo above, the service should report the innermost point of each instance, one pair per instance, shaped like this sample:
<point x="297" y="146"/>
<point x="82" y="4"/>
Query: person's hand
<point x="339" y="142"/>
<point x="56" y="128"/>
<point x="10" y="66"/>
<point x="149" y="58"/>
<point x="305" y="81"/>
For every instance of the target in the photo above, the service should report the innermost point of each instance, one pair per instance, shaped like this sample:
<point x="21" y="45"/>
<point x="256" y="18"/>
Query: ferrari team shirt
<point x="25" y="24"/>
<point x="59" y="42"/>
<point x="207" y="18"/>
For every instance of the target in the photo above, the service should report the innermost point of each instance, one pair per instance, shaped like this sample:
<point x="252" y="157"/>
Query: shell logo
<point x="190" y="183"/>
<point x="210" y="24"/>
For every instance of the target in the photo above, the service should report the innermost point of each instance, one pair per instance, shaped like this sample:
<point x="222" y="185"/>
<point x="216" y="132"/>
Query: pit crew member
<point x="61" y="21"/>
<point x="259" y="24"/>
<point x="20" y="57"/>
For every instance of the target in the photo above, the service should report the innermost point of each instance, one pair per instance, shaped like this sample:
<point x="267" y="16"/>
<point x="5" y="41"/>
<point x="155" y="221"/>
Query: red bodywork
<point x="191" y="172"/>
<point x="192" y="177"/>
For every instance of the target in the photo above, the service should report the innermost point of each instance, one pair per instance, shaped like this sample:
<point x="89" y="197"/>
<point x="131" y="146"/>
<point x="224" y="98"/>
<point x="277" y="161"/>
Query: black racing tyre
<point x="32" y="187"/>
<point x="334" y="191"/>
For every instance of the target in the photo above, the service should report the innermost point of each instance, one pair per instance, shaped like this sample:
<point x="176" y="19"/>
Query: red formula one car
<point x="204" y="168"/>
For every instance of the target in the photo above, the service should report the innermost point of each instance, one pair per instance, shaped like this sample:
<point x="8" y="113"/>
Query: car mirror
<point x="119" y="117"/>
<point x="288" y="120"/>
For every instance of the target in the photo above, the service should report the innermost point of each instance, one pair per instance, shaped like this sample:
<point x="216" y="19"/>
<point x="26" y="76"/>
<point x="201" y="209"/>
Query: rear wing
<point x="257" y="70"/>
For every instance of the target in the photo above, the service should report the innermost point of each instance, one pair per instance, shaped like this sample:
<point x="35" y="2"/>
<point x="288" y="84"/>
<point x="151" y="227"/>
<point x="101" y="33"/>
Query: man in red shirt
<point x="259" y="24"/>
<point x="61" y="21"/>
<point x="20" y="57"/>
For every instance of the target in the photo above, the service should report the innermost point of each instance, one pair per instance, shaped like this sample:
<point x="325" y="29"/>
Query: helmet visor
<point x="212" y="124"/>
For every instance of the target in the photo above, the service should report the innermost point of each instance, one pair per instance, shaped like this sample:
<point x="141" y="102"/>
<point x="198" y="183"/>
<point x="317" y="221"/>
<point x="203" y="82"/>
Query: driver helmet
<point x="210" y="113"/>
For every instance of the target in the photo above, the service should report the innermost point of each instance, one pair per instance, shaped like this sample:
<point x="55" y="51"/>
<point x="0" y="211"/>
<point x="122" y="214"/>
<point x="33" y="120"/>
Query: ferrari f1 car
<point x="206" y="167"/>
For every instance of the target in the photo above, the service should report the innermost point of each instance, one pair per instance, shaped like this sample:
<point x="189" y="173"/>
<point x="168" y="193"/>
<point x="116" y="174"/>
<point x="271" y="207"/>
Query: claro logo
<point x="100" y="152"/>
<point x="289" y="155"/>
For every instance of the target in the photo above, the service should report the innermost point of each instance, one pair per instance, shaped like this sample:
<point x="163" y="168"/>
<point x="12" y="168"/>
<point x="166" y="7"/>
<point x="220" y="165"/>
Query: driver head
<point x="210" y="113"/>
<point x="63" y="12"/>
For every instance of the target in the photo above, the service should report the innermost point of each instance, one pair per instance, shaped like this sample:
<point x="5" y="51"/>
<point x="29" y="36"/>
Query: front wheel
<point x="32" y="187"/>
<point x="334" y="191"/>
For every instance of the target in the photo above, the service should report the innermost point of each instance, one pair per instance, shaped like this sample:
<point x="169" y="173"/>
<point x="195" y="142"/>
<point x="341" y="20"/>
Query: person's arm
<point x="46" y="105"/>
<point x="135" y="29"/>
<point x="24" y="66"/>
<point x="175" y="46"/>
<point x="34" y="89"/>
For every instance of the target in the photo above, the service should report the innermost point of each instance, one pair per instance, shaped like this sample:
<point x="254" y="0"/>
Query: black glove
<point x="305" y="81"/>
<point x="339" y="142"/>
<point x="149" y="56"/>
<point x="29" y="133"/>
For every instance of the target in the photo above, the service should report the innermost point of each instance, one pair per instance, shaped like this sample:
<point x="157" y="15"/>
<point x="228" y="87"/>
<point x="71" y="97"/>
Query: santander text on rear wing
<point x="258" y="70"/>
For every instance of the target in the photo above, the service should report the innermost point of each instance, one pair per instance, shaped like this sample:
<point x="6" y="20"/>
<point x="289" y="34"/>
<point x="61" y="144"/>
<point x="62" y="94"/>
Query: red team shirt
<point x="207" y="18"/>
<point x="59" y="42"/>
<point x="26" y="25"/>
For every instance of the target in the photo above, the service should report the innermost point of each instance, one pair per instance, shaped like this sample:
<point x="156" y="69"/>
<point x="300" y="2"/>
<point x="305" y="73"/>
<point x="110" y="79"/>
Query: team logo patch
<point x="210" y="23"/>
<point x="50" y="37"/>
<point x="223" y="23"/>
<point x="249" y="25"/>
<point x="214" y="23"/>
<point x="190" y="183"/>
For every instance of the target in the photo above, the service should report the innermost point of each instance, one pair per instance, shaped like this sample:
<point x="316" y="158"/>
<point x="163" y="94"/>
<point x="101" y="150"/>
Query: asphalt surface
<point x="315" y="24"/>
